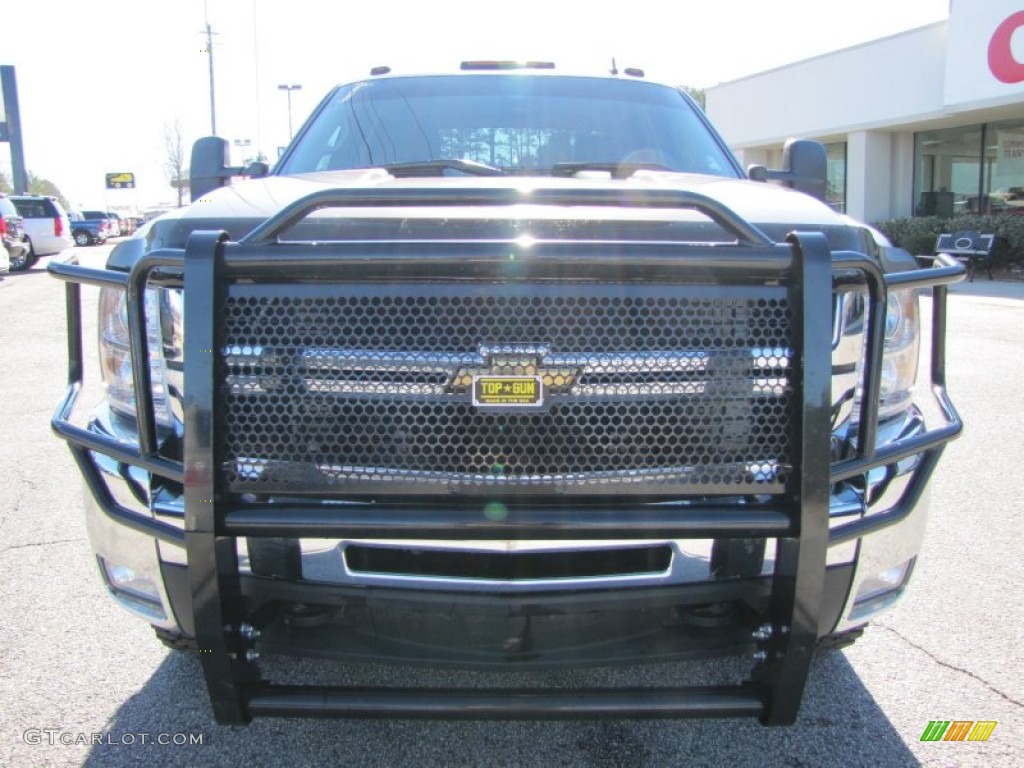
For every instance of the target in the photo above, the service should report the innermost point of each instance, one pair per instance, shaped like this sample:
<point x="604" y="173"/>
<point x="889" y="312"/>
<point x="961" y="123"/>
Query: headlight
<point x="902" y="348"/>
<point x="899" y="357"/>
<point x="115" y="356"/>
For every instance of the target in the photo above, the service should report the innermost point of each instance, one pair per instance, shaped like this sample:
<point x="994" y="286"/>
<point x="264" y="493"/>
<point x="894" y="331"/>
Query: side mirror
<point x="804" y="168"/>
<point x="210" y="161"/>
<point x="211" y="166"/>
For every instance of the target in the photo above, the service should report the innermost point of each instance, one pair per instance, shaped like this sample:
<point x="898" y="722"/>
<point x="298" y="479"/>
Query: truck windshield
<point x="529" y="125"/>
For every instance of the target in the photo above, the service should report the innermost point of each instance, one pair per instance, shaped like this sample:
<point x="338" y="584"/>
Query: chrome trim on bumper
<point x="119" y="545"/>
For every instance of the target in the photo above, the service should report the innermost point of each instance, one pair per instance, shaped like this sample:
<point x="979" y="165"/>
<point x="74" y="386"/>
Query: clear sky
<point x="98" y="81"/>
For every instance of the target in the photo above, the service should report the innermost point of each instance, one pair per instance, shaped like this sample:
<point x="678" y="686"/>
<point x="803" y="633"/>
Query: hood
<point x="241" y="207"/>
<point x="758" y="203"/>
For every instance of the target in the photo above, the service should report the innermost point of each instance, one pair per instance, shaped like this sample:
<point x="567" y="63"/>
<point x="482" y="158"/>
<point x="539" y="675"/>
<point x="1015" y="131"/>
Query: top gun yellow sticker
<point x="508" y="391"/>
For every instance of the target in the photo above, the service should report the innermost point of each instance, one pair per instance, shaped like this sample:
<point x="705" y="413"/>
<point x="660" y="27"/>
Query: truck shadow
<point x="839" y="724"/>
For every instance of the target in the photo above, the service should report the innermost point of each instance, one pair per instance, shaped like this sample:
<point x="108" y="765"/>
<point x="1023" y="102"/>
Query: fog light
<point x="133" y="590"/>
<point x="881" y="590"/>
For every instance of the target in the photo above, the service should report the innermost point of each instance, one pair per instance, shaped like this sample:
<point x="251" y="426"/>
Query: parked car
<point x="47" y="225"/>
<point x="113" y="226"/>
<point x="116" y="227"/>
<point x="16" y="248"/>
<point x="89" y="231"/>
<point x="127" y="225"/>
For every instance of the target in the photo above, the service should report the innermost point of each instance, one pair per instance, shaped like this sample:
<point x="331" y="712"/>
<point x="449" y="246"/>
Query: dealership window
<point x="835" y="194"/>
<point x="977" y="169"/>
<point x="1003" y="182"/>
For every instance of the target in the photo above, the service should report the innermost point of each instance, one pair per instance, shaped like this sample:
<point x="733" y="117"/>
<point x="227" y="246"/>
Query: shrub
<point x="918" y="234"/>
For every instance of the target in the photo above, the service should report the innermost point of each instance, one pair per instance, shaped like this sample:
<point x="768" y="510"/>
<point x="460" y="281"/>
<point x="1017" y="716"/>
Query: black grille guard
<point x="797" y="517"/>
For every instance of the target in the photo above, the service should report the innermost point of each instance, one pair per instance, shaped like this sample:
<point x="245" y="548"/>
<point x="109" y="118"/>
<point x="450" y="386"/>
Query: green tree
<point x="697" y="94"/>
<point x="38" y="186"/>
<point x="5" y="185"/>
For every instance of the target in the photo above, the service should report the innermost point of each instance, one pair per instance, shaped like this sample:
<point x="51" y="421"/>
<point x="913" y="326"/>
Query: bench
<point x="972" y="248"/>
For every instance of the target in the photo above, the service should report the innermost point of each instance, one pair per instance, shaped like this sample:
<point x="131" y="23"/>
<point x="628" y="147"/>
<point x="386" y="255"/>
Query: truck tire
<point x="82" y="238"/>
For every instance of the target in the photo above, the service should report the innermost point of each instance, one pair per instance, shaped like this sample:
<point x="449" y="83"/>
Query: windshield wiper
<point x="617" y="170"/>
<point x="438" y="167"/>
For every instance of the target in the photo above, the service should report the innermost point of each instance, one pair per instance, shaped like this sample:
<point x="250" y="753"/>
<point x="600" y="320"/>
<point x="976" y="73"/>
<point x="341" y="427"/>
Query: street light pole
<point x="244" y="145"/>
<point x="288" y="89"/>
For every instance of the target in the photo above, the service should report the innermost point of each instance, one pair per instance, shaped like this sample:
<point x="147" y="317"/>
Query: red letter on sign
<point x="1000" y="53"/>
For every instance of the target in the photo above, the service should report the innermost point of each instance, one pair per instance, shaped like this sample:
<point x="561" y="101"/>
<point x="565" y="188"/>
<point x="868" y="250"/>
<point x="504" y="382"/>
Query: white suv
<point x="46" y="225"/>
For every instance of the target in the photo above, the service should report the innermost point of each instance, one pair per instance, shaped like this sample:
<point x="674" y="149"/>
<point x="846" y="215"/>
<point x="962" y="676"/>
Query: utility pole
<point x="209" y="53"/>
<point x="213" y="108"/>
<point x="256" y="78"/>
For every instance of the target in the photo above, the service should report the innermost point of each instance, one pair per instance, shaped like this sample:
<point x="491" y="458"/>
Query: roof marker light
<point x="478" y="66"/>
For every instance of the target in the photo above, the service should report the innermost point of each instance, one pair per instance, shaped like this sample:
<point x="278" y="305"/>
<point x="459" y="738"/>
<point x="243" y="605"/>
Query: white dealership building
<point x="927" y="122"/>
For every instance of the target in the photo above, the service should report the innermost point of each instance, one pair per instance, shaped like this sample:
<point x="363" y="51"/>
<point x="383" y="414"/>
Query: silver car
<point x="46" y="224"/>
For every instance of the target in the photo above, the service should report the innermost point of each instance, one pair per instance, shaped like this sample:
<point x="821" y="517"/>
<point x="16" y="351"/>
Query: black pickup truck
<point x="508" y="368"/>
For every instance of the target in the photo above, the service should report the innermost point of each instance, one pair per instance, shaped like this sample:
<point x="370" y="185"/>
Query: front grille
<point x="367" y="388"/>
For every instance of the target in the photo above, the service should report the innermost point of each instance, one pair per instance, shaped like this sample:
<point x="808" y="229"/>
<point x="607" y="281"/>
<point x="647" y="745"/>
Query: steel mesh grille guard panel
<point x="367" y="388"/>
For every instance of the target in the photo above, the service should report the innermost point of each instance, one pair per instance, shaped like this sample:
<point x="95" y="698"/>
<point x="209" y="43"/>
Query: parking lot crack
<point x="952" y="667"/>
<point x="31" y="544"/>
<point x="19" y="496"/>
<point x="25" y="481"/>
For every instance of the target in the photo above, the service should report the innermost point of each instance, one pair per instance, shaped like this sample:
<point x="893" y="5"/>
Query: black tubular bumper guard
<point x="214" y="517"/>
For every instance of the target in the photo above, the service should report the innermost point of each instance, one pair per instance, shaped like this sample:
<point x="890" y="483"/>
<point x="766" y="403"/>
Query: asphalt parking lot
<point x="84" y="683"/>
